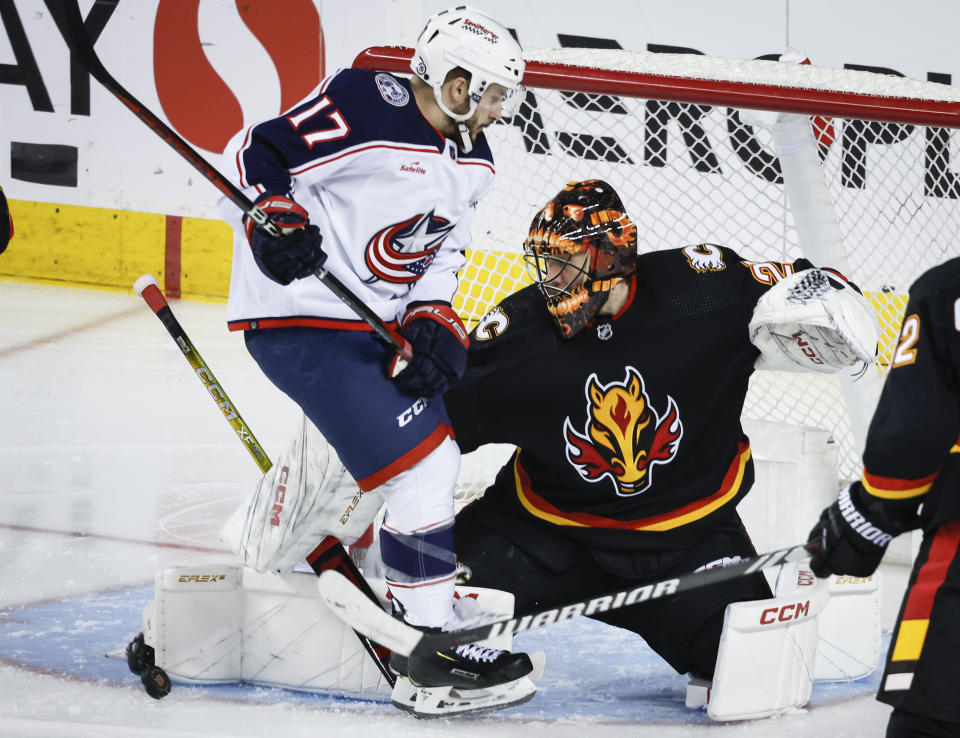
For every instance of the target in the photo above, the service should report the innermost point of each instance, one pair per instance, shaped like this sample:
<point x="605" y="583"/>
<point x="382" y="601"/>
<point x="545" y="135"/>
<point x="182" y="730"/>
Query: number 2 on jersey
<point x="906" y="352"/>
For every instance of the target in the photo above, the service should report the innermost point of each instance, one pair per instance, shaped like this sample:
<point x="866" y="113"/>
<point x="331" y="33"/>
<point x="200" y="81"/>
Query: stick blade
<point x="357" y="611"/>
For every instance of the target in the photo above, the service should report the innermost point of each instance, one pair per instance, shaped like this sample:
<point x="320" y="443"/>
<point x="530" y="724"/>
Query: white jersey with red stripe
<point x="393" y="198"/>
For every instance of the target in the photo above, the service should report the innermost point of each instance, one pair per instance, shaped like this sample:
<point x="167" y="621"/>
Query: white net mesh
<point x="691" y="173"/>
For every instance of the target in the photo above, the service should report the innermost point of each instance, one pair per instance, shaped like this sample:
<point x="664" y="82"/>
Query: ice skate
<point x="466" y="679"/>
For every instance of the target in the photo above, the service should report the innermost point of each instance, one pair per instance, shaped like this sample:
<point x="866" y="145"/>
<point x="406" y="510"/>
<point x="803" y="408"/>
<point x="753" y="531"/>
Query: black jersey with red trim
<point x="628" y="434"/>
<point x="912" y="454"/>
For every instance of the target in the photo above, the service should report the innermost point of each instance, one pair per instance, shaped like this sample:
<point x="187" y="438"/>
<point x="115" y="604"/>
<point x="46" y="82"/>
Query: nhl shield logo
<point x="624" y="437"/>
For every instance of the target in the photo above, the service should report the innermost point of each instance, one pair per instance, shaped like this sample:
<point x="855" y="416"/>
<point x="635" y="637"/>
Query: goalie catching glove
<point x="814" y="320"/>
<point x="294" y="254"/>
<point x="439" y="341"/>
<point x="849" y="541"/>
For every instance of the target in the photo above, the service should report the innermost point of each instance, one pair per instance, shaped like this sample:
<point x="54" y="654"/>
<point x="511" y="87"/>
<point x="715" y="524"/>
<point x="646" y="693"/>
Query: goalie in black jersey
<point x="621" y="377"/>
<point x="911" y="479"/>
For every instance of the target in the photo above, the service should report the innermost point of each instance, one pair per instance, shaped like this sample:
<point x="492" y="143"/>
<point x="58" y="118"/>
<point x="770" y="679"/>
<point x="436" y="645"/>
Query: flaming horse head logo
<point x="624" y="436"/>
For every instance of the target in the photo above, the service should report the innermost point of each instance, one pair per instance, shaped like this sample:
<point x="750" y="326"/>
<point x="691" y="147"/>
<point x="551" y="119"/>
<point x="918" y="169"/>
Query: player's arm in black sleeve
<point x="917" y="420"/>
<point x="914" y="429"/>
<point x="469" y="414"/>
<point x="481" y="405"/>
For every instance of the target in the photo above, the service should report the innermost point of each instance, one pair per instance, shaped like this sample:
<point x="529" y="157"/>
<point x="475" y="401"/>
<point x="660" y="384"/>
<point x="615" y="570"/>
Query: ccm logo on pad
<point x="793" y="611"/>
<point x="278" y="494"/>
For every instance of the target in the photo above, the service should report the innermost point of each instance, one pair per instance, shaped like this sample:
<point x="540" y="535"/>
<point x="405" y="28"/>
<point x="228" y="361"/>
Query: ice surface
<point x="116" y="464"/>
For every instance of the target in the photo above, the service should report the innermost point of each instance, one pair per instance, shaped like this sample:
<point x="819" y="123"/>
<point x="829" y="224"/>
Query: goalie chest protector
<point x="629" y="433"/>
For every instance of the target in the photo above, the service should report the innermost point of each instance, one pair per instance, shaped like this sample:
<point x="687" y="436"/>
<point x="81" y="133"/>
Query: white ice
<point x="116" y="464"/>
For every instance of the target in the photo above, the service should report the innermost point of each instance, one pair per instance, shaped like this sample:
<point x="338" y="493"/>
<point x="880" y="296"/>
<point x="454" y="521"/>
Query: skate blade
<point x="438" y="702"/>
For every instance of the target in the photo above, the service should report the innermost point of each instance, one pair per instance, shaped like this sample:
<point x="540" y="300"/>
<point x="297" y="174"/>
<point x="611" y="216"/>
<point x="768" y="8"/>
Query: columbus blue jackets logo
<point x="624" y="436"/>
<point x="401" y="253"/>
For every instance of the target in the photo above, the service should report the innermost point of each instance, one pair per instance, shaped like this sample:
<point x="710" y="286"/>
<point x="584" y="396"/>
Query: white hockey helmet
<point x="468" y="38"/>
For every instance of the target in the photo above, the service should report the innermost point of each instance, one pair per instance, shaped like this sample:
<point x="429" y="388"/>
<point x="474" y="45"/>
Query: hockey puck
<point x="140" y="656"/>
<point x="156" y="682"/>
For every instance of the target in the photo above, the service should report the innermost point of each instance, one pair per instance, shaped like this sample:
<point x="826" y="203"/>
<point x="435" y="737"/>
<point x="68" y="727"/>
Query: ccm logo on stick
<point x="793" y="611"/>
<point x="278" y="494"/>
<point x="218" y="394"/>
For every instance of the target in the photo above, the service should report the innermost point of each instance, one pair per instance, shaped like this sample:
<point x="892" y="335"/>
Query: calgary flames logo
<point x="401" y="253"/>
<point x="624" y="436"/>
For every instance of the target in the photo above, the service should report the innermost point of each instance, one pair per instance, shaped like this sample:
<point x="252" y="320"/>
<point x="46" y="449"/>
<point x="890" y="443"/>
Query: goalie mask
<point x="580" y="245"/>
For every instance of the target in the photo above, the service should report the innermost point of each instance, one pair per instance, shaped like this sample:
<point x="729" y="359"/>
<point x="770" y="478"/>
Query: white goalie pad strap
<point x="306" y="496"/>
<point x="767" y="652"/>
<point x="224" y="624"/>
<point x="850" y="634"/>
<point x="814" y="321"/>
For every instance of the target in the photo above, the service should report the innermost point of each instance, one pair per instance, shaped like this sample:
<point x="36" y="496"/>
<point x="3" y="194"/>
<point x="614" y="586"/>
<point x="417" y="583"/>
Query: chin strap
<point x="466" y="143"/>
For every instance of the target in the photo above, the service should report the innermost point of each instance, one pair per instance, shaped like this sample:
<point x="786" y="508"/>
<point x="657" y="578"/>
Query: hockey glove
<point x="849" y="542"/>
<point x="439" y="343"/>
<point x="294" y="254"/>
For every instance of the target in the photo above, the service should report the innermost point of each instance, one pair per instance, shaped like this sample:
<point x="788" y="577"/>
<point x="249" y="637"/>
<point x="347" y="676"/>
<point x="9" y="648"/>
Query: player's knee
<point x="421" y="497"/>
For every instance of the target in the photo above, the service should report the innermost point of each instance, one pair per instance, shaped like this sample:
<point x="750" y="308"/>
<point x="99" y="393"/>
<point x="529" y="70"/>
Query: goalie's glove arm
<point x="814" y="320"/>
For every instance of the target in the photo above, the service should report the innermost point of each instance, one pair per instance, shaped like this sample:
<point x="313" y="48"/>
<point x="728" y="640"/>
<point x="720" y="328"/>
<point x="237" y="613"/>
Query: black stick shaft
<point x="615" y="600"/>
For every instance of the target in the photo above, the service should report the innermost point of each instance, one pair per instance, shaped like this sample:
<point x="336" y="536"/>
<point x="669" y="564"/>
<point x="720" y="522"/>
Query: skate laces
<point x="478" y="653"/>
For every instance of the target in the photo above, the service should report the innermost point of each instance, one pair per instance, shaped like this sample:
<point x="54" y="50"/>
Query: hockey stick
<point x="330" y="554"/>
<point x="361" y="614"/>
<point x="71" y="26"/>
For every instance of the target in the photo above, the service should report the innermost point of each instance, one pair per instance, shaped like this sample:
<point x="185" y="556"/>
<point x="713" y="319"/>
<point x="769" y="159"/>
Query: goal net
<point x="668" y="132"/>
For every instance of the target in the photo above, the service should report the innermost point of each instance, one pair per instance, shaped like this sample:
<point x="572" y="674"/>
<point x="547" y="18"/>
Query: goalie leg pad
<point x="306" y="496"/>
<point x="223" y="624"/>
<point x="766" y="660"/>
<point x="850" y="635"/>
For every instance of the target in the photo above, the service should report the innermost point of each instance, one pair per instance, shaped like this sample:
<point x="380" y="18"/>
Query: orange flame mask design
<point x="624" y="437"/>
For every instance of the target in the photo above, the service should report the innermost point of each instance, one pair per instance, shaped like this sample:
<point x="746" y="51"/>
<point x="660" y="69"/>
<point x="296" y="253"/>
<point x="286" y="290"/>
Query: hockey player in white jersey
<point x="376" y="178"/>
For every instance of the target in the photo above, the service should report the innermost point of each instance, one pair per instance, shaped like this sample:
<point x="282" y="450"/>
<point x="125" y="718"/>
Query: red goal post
<point x="666" y="131"/>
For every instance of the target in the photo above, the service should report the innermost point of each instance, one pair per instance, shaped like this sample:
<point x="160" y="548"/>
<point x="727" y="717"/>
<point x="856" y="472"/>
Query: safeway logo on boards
<point x="196" y="101"/>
